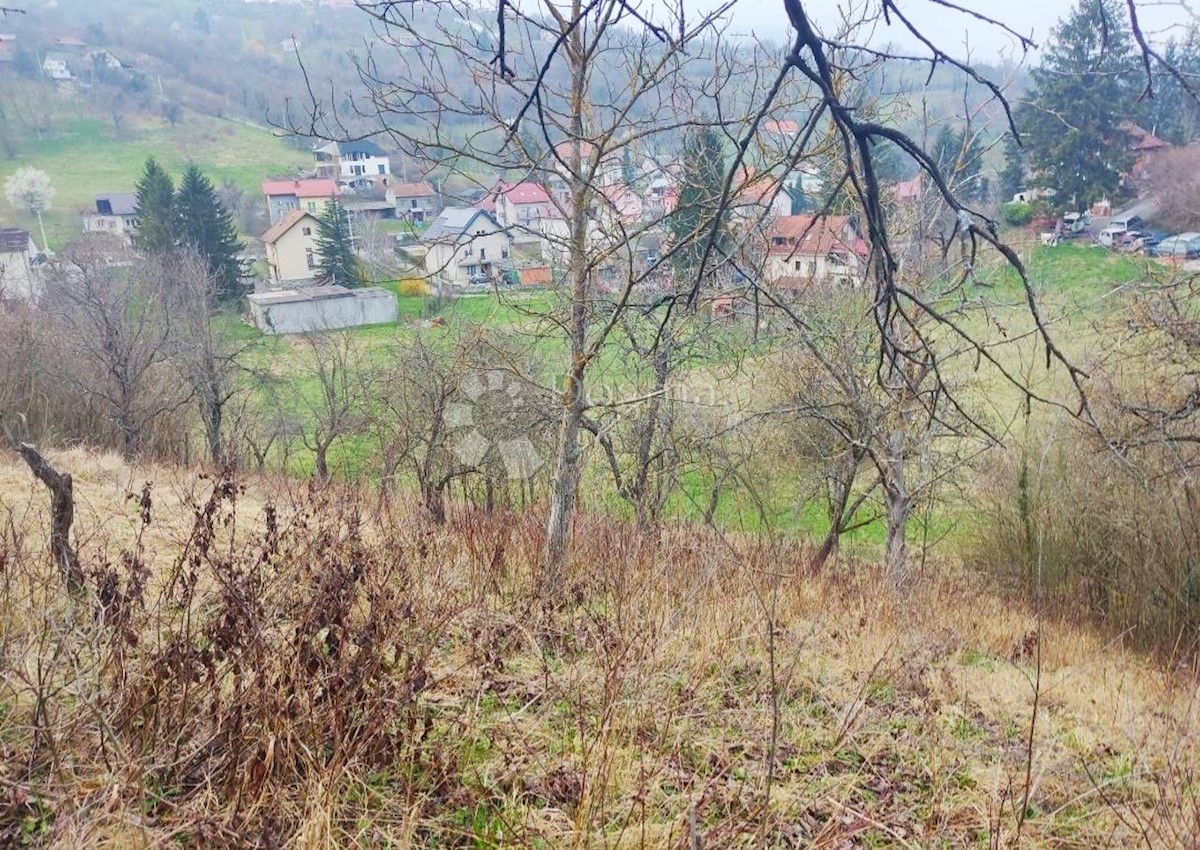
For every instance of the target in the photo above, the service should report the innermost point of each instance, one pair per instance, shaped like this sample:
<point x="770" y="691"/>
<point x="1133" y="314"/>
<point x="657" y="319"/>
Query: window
<point x="307" y="231"/>
<point x="310" y="258"/>
<point x="358" y="170"/>
<point x="483" y="253"/>
<point x="413" y="203"/>
<point x="471" y="270"/>
<point x="504" y="253"/>
<point x="470" y="249"/>
<point x="383" y="169"/>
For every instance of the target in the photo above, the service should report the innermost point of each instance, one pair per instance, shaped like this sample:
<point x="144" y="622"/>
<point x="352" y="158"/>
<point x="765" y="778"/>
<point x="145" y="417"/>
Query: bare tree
<point x="331" y="393"/>
<point x="208" y="358"/>
<point x="111" y="313"/>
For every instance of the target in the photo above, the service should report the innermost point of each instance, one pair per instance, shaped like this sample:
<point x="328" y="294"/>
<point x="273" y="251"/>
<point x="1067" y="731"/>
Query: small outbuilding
<point x="320" y="308"/>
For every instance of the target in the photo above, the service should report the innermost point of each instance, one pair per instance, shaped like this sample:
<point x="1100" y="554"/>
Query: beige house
<point x="465" y="245"/>
<point x="292" y="248"/>
<point x="807" y="250"/>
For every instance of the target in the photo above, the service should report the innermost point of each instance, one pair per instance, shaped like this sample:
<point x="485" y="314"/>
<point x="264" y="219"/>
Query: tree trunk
<point x="897" y="506"/>
<point x="566" y="465"/>
<point x="62" y="514"/>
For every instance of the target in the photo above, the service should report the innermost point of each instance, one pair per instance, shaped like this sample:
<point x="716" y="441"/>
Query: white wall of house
<point x="17" y="277"/>
<point x="472" y="253"/>
<point x="836" y="268"/>
<point x="293" y="255"/>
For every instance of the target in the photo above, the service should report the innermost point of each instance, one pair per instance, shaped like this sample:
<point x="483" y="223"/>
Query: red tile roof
<point x="786" y="127"/>
<point x="413" y="190"/>
<point x="284" y="225"/>
<point x="319" y="188"/>
<point x="518" y="193"/>
<point x="806" y="235"/>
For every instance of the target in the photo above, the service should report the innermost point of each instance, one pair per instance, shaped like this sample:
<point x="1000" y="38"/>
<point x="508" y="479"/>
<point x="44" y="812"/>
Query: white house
<point x="803" y="250"/>
<point x="519" y="205"/>
<point x="292" y="248"/>
<point x="115" y="213"/>
<point x="465" y="243"/>
<point x="345" y="161"/>
<point x="17" y="276"/>
<point x="57" y="66"/>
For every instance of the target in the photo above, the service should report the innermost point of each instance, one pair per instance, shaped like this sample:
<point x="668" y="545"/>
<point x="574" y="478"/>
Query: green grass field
<point x="85" y="156"/>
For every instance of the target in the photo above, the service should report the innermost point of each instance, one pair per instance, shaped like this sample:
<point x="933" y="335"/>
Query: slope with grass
<point x="258" y="663"/>
<point x="85" y="156"/>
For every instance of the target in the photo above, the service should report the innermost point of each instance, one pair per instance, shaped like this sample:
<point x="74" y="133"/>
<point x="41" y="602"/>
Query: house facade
<point x="115" y="213"/>
<point x="291" y="246"/>
<point x="807" y="250"/>
<point x="416" y="202"/>
<point x="343" y="161"/>
<point x="311" y="196"/>
<point x="18" y="279"/>
<point x="520" y="208"/>
<point x="465" y="243"/>
<point x="57" y="66"/>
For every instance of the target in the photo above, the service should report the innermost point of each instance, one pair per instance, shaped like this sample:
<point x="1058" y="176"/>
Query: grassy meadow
<point x="84" y="155"/>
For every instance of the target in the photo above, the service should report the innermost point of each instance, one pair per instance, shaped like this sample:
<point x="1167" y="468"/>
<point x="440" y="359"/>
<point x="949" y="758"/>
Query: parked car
<point x="1074" y="224"/>
<point x="1116" y="226"/>
<point x="1184" y="246"/>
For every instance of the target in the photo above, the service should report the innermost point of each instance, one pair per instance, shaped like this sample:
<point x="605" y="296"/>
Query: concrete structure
<point x="465" y="243"/>
<point x="803" y="250"/>
<point x="17" y="276"/>
<point x="291" y="247"/>
<point x="320" y="308"/>
<point x="115" y="213"/>
<point x="283" y="196"/>
<point x="348" y="160"/>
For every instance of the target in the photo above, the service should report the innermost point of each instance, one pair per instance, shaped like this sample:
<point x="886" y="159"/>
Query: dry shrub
<point x="1096" y="534"/>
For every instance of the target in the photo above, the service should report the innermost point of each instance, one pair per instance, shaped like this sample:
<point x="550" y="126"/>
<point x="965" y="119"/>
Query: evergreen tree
<point x="699" y="197"/>
<point x="203" y="222"/>
<point x="156" y="210"/>
<point x="336" y="262"/>
<point x="1083" y="90"/>
<point x="1012" y="176"/>
<point x="628" y="172"/>
<point x="1173" y="114"/>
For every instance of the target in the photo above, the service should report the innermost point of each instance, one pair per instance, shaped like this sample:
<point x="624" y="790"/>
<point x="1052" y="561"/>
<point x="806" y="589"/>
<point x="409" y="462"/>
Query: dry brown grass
<point x="358" y="678"/>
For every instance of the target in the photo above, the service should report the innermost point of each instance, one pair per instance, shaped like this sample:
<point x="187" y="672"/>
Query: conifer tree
<point x="156" y="210"/>
<point x="203" y="222"/>
<point x="699" y="198"/>
<point x="1012" y="176"/>
<point x="1083" y="91"/>
<point x="336" y="262"/>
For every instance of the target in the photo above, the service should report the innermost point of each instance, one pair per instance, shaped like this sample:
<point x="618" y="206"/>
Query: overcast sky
<point x="767" y="19"/>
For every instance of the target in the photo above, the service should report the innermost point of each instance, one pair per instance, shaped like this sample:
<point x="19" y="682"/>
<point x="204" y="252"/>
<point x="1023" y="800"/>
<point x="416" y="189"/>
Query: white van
<point x="1117" y="226"/>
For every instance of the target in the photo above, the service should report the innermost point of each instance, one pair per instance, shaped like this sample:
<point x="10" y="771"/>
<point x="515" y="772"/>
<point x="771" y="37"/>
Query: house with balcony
<point x="417" y="203"/>
<point x="520" y="208"/>
<point x="465" y="245"/>
<point x="115" y="213"/>
<point x="813" y="250"/>
<point x="311" y="196"/>
<point x="347" y="161"/>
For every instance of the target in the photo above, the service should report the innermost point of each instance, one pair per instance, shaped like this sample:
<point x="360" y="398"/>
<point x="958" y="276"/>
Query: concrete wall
<point x="369" y="306"/>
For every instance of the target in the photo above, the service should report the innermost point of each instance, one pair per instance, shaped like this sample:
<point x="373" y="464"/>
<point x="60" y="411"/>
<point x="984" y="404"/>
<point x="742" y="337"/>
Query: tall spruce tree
<point x="700" y="190"/>
<point x="156" y="210"/>
<point x="336" y="262"/>
<point x="1084" y="89"/>
<point x="203" y="222"/>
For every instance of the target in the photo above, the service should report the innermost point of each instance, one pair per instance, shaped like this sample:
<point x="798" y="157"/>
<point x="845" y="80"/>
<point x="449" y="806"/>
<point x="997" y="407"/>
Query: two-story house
<point x="115" y="213"/>
<point x="465" y="244"/>
<point x="416" y="202"/>
<point x="291" y="246"/>
<point x="345" y="161"/>
<point x="806" y="250"/>
<point x="311" y="196"/>
<point x="519" y="207"/>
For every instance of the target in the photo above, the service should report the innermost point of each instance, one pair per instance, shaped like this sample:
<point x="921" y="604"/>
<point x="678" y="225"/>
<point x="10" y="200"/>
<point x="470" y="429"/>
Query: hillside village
<point x="617" y="424"/>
